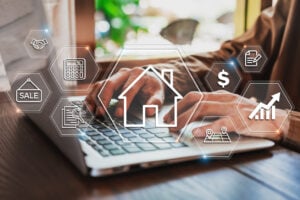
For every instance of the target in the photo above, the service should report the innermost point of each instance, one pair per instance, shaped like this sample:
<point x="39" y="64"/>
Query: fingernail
<point x="166" y="117"/>
<point x="196" y="132"/>
<point x="119" y="112"/>
<point x="98" y="112"/>
<point x="150" y="112"/>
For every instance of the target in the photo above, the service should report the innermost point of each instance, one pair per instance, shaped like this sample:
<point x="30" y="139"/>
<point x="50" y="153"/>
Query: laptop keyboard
<point x="101" y="136"/>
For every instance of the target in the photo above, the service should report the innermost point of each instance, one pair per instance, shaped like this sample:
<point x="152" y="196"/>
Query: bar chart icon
<point x="265" y="111"/>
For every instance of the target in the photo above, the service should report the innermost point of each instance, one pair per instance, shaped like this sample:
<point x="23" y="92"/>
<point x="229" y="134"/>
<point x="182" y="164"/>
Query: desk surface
<point x="31" y="167"/>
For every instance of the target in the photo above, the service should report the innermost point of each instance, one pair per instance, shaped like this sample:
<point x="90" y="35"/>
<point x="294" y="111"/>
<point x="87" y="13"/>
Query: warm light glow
<point x="87" y="48"/>
<point x="18" y="110"/>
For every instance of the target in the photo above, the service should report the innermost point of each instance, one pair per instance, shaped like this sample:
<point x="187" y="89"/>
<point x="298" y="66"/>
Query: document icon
<point x="251" y="58"/>
<point x="71" y="117"/>
<point x="29" y="92"/>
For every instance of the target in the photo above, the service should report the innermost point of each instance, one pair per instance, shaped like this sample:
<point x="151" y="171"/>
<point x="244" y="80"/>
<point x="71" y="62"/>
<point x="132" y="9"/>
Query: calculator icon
<point x="74" y="69"/>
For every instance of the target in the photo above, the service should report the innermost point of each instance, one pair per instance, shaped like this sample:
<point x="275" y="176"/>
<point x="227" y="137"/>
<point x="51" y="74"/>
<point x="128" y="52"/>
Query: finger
<point x="109" y="87"/>
<point x="183" y="119"/>
<point x="90" y="100"/>
<point x="210" y="108"/>
<point x="154" y="100"/>
<point x="267" y="129"/>
<point x="182" y="105"/>
<point x="130" y="95"/>
<point x="219" y="96"/>
<point x="223" y="122"/>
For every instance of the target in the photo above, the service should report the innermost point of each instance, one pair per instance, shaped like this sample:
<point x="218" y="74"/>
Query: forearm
<point x="266" y="32"/>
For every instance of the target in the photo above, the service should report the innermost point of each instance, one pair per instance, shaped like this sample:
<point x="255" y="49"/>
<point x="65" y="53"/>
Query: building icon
<point x="169" y="85"/>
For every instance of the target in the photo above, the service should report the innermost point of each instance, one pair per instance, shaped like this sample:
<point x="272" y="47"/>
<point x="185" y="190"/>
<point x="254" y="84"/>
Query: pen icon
<point x="251" y="58"/>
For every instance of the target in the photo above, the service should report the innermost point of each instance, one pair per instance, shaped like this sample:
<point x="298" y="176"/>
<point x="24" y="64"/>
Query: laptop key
<point x="90" y="142"/>
<point x="146" y="146"/>
<point x="83" y="125"/>
<point x="156" y="140"/>
<point x="87" y="129"/>
<point x="98" y="137"/>
<point x="128" y="135"/>
<point x="104" y="153"/>
<point x="157" y="130"/>
<point x="97" y="126"/>
<point x="178" y="145"/>
<point x="108" y="134"/>
<point x="134" y="128"/>
<point x="169" y="139"/>
<point x="162" y="135"/>
<point x="132" y="149"/>
<point x="103" y="142"/>
<point x="110" y="146"/>
<point x="94" y="133"/>
<point x="163" y="145"/>
<point x="136" y="139"/>
<point x="115" y="138"/>
<point x="104" y="129"/>
<point x="141" y="131"/>
<point x="83" y="137"/>
<point x="122" y="143"/>
<point x="98" y="148"/>
<point x="117" y="152"/>
<point x="123" y="130"/>
<point x="146" y="135"/>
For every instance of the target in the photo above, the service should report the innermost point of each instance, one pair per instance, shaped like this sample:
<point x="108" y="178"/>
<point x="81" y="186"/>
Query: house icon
<point x="169" y="85"/>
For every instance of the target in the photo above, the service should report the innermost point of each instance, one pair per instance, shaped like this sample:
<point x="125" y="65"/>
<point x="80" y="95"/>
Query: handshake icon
<point x="39" y="44"/>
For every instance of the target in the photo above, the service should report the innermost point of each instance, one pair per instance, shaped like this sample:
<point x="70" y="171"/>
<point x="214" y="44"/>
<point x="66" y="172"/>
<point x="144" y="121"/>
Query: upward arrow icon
<point x="275" y="98"/>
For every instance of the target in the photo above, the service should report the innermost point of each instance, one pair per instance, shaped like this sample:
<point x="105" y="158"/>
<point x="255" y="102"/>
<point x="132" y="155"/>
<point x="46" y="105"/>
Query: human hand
<point x="192" y="108"/>
<point x="149" y="90"/>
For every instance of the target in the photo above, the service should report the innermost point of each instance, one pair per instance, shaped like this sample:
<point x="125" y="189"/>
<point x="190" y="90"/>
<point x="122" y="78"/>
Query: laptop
<point x="99" y="146"/>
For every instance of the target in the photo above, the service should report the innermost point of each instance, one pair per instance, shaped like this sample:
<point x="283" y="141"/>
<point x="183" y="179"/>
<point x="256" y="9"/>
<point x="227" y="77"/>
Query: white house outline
<point x="177" y="96"/>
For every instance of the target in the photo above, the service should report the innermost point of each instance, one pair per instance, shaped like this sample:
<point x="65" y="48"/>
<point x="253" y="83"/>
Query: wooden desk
<point x="31" y="167"/>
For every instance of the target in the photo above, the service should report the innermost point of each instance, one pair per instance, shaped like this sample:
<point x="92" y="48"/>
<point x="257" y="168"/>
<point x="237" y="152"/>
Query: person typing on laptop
<point x="273" y="31"/>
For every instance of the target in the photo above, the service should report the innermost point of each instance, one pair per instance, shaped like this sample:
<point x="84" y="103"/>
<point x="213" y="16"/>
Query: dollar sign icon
<point x="223" y="78"/>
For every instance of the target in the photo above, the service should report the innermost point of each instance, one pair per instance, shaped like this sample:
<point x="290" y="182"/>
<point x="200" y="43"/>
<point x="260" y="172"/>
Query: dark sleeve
<point x="266" y="32"/>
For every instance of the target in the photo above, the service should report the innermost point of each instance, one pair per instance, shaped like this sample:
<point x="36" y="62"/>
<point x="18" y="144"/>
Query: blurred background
<point x="202" y="24"/>
<point x="105" y="26"/>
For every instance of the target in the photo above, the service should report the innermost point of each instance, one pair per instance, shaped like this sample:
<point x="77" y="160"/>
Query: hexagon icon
<point x="223" y="76"/>
<point x="38" y="43"/>
<point x="252" y="59"/>
<point x="217" y="139"/>
<point x="271" y="109"/>
<point x="136" y="118"/>
<point x="29" y="91"/>
<point x="74" y="66"/>
<point x="70" y="118"/>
